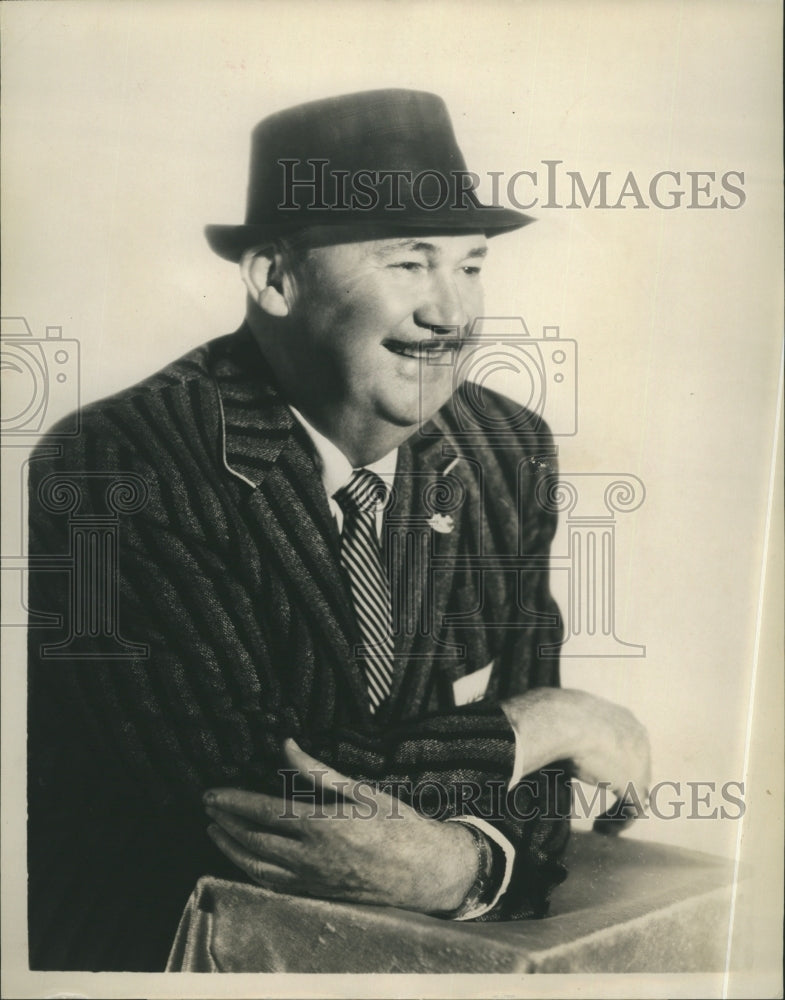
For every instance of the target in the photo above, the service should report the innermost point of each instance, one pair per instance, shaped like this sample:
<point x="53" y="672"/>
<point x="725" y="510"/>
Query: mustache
<point x="452" y="333"/>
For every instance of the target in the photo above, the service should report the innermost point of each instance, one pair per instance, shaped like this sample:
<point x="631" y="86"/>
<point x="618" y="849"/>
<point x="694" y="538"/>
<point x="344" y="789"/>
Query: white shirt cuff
<point x="509" y="859"/>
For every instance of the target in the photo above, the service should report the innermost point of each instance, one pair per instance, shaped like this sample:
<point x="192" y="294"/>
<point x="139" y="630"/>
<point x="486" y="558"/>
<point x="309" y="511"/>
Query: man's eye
<point x="409" y="265"/>
<point x="472" y="270"/>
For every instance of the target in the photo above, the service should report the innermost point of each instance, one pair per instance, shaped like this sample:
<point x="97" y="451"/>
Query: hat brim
<point x="230" y="242"/>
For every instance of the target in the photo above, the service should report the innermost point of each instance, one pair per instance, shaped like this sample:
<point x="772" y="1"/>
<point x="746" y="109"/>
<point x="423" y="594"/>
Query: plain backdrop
<point x="125" y="131"/>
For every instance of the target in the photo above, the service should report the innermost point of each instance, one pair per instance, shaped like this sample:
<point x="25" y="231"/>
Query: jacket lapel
<point x="265" y="447"/>
<point x="415" y="550"/>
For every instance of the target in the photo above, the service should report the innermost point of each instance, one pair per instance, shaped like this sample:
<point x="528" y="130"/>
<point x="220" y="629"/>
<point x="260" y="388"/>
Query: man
<point x="316" y="579"/>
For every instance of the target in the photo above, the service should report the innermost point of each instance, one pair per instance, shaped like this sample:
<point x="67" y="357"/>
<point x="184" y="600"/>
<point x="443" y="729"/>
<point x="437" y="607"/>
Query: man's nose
<point x="442" y="308"/>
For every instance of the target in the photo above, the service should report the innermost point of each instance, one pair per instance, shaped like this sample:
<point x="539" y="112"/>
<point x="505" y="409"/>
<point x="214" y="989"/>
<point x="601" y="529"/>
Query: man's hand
<point x="366" y="848"/>
<point x="606" y="742"/>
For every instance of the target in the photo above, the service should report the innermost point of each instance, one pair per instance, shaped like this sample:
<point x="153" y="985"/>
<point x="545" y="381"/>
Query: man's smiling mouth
<point x="421" y="349"/>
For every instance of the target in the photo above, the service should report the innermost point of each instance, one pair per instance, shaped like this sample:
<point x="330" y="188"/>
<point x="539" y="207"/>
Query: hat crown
<point x="368" y="133"/>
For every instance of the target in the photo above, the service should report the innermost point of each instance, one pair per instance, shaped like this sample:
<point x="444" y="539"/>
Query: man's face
<point x="370" y="319"/>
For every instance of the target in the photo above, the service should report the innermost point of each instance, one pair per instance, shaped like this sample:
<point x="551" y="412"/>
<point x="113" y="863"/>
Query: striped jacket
<point x="232" y="628"/>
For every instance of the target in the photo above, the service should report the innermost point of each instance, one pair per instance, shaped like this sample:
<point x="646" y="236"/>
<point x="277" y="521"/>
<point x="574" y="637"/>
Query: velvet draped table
<point x="627" y="906"/>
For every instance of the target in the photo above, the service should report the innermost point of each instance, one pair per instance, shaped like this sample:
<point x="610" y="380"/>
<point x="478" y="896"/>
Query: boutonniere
<point x="443" y="523"/>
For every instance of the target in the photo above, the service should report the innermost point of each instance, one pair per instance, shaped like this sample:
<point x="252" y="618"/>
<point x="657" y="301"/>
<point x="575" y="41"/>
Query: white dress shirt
<point x="336" y="471"/>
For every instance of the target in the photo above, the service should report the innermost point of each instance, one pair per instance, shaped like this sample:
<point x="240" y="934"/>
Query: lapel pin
<point x="443" y="523"/>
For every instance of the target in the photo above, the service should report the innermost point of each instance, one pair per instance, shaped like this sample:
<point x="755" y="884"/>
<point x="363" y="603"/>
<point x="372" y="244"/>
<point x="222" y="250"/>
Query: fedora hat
<point x="361" y="164"/>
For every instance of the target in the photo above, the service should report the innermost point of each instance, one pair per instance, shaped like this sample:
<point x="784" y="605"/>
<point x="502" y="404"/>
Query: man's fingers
<point x="266" y="846"/>
<point x="623" y="812"/>
<point x="265" y="810"/>
<point x="266" y="874"/>
<point x="327" y="778"/>
<point x="321" y="775"/>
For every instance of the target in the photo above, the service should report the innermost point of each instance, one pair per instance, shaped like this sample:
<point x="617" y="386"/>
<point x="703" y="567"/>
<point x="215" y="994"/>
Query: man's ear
<point x="261" y="272"/>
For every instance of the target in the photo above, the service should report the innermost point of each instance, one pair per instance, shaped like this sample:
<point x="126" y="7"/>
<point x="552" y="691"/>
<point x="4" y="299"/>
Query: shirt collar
<point x="334" y="467"/>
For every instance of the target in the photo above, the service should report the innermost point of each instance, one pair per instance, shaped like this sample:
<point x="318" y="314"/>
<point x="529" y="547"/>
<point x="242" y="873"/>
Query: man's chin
<point x="414" y="413"/>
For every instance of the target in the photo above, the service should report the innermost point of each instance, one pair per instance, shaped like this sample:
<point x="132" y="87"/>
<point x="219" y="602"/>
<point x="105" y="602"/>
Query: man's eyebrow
<point x="422" y="246"/>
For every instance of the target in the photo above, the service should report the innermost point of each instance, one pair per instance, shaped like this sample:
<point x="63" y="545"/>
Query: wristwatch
<point x="484" y="885"/>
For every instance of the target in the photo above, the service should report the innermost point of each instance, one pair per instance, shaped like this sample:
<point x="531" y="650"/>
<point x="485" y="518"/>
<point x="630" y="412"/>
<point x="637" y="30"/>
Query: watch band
<point x="483" y="884"/>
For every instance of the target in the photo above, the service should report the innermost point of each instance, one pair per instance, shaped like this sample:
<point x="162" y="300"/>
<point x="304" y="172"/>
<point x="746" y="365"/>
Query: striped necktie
<point x="360" y="500"/>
